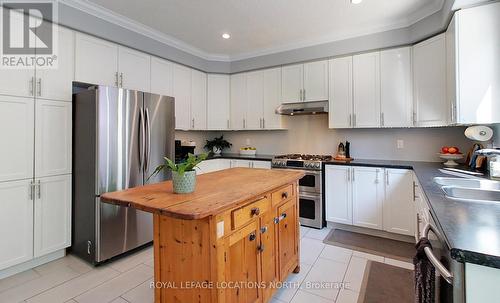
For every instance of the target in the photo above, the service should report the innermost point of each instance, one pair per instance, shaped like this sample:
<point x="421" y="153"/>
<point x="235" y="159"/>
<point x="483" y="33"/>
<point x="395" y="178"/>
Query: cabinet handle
<point x="348" y="175"/>
<point x="260" y="248"/>
<point x="354" y="119"/>
<point x="263" y="123"/>
<point x="280" y="218"/>
<point x="192" y="123"/>
<point x="31" y="190"/>
<point x="414" y="192"/>
<point x="382" y="119"/>
<point x="255" y="211"/>
<point x="387" y="178"/>
<point x="244" y="124"/>
<point x="352" y="171"/>
<point x="38" y="190"/>
<point x="284" y="195"/>
<point x="300" y="95"/>
<point x="263" y="229"/>
<point x="414" y="117"/>
<point x="304" y="98"/>
<point x="350" y="119"/>
<point x="376" y="178"/>
<point x="252" y="237"/>
<point x="31" y="86"/>
<point x="227" y="123"/>
<point x="121" y="79"/>
<point x="116" y="79"/>
<point x="39" y="87"/>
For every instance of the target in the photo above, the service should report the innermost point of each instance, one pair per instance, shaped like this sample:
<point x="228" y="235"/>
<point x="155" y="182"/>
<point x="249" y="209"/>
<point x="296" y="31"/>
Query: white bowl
<point x="248" y="152"/>
<point x="451" y="159"/>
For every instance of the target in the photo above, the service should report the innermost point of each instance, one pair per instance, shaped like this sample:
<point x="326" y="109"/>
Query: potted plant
<point x="183" y="174"/>
<point x="217" y="145"/>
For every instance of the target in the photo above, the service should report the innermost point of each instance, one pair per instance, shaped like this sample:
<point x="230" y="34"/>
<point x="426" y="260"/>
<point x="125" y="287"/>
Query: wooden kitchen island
<point x="233" y="240"/>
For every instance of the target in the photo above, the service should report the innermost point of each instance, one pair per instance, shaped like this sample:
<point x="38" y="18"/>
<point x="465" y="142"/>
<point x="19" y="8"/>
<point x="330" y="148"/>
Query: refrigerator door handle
<point x="148" y="141"/>
<point x="142" y="139"/>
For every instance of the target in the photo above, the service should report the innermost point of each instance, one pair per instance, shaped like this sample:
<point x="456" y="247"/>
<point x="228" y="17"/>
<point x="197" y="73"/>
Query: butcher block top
<point x="215" y="192"/>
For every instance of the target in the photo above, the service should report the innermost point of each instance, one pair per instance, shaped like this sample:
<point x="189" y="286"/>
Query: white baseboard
<point x="32" y="263"/>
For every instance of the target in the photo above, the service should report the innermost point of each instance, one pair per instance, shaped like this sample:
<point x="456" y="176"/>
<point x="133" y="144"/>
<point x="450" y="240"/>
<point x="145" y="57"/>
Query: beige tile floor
<point x="127" y="280"/>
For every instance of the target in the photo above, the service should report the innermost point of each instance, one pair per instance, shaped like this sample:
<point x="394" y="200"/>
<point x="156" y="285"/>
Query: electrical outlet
<point x="400" y="144"/>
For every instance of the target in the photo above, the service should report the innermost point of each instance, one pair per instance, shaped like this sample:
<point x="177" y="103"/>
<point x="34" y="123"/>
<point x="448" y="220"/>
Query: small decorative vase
<point x="184" y="184"/>
<point x="216" y="150"/>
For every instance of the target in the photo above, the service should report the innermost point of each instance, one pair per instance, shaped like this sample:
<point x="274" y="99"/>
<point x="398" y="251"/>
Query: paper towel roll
<point x="479" y="133"/>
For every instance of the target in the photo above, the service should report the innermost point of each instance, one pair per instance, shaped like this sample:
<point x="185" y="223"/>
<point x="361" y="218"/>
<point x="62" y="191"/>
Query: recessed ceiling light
<point x="226" y="36"/>
<point x="356" y="1"/>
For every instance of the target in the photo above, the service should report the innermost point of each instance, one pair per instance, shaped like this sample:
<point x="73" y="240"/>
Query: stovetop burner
<point x="305" y="157"/>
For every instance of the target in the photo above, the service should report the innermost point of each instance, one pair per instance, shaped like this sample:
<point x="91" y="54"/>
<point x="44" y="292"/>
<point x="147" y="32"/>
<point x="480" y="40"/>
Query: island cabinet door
<point x="268" y="249"/>
<point x="287" y="237"/>
<point x="243" y="265"/>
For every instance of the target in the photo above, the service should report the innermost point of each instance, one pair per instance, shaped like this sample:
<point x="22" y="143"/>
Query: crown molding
<point x="122" y="21"/>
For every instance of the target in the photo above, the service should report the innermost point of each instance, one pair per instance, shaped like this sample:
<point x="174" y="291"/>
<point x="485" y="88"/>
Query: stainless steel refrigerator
<point x="119" y="137"/>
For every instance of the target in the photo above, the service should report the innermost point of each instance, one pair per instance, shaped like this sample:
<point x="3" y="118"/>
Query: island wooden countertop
<point x="215" y="192"/>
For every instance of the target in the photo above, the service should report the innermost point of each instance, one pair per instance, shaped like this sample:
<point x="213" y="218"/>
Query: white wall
<point x="197" y="136"/>
<point x="310" y="134"/>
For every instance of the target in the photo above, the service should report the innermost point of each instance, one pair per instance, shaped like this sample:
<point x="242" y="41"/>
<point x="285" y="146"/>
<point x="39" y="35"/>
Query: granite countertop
<point x="471" y="229"/>
<point x="236" y="156"/>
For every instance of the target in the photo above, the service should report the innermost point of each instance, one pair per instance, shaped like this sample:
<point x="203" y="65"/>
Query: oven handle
<point x="305" y="195"/>
<point x="448" y="276"/>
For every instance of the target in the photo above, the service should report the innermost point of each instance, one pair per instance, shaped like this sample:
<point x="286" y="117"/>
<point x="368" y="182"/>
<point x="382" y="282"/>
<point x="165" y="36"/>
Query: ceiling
<point x="259" y="27"/>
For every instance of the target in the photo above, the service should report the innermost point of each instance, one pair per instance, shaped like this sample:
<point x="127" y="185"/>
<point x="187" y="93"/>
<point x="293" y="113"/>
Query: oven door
<point x="449" y="273"/>
<point x="310" y="210"/>
<point x="311" y="182"/>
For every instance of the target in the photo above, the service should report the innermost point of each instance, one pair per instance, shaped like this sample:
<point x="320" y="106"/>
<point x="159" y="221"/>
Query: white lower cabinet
<point x="241" y="163"/>
<point x="399" y="206"/>
<point x="212" y="165"/>
<point x="370" y="197"/>
<point x="367" y="197"/>
<point x="52" y="218"/>
<point x="261" y="164"/>
<point x="16" y="223"/>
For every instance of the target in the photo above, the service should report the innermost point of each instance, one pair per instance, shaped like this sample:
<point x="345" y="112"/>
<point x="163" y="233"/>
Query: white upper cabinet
<point x="316" y="81"/>
<point x="272" y="98"/>
<point x="96" y="61"/>
<point x="399" y="211"/>
<point x="218" y="102"/>
<point x="238" y="101"/>
<point x="338" y="194"/>
<point x="367" y="196"/>
<point x="56" y="84"/>
<point x="134" y="69"/>
<point x="16" y="135"/>
<point x="292" y="83"/>
<point x="161" y="77"/>
<point x="366" y="88"/>
<point x="198" y="100"/>
<point x="429" y="82"/>
<point x="473" y="48"/>
<point x="16" y="223"/>
<point x="305" y="82"/>
<point x="396" y="88"/>
<point x="182" y="94"/>
<point x="53" y="138"/>
<point x="340" y="100"/>
<point x="255" y="98"/>
<point x="52" y="200"/>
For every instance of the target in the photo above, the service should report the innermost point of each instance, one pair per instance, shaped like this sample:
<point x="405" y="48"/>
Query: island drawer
<point x="245" y="214"/>
<point x="282" y="194"/>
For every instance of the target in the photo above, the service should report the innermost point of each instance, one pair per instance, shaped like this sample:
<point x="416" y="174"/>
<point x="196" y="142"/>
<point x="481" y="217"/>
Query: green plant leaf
<point x="157" y="170"/>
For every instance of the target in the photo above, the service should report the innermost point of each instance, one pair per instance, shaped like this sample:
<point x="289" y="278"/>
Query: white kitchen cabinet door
<point x="316" y="81"/>
<point x="255" y="100"/>
<point x="429" y="82"/>
<point x="17" y="82"/>
<point x="396" y="95"/>
<point x="198" y="100"/>
<point x="17" y="137"/>
<point x="340" y="100"/>
<point x="181" y="89"/>
<point x="57" y="83"/>
<point x="238" y="101"/>
<point x="241" y="163"/>
<point x="272" y="98"/>
<point x="16" y="223"/>
<point x="292" y="83"/>
<point x="52" y="215"/>
<point x="134" y="69"/>
<point x="399" y="208"/>
<point x="218" y="102"/>
<point x="261" y="164"/>
<point x="161" y="77"/>
<point x="366" y="88"/>
<point x="96" y="61"/>
<point x="473" y="40"/>
<point x="223" y="164"/>
<point x="53" y="138"/>
<point x="338" y="194"/>
<point x="367" y="196"/>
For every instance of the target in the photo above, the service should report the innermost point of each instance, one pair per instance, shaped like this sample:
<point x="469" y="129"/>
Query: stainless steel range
<point x="311" y="203"/>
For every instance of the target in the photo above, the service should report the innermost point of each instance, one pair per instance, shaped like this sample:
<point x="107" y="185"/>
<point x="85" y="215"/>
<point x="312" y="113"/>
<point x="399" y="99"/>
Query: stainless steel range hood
<point x="303" y="108"/>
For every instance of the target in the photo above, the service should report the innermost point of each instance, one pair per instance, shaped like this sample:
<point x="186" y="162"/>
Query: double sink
<point x="477" y="190"/>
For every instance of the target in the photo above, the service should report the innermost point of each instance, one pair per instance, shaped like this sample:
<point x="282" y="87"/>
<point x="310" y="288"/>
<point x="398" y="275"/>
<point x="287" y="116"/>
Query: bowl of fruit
<point x="248" y="151"/>
<point x="450" y="154"/>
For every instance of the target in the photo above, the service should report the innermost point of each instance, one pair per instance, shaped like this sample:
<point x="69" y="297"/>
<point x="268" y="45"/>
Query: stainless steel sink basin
<point x="474" y="194"/>
<point x="468" y="183"/>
